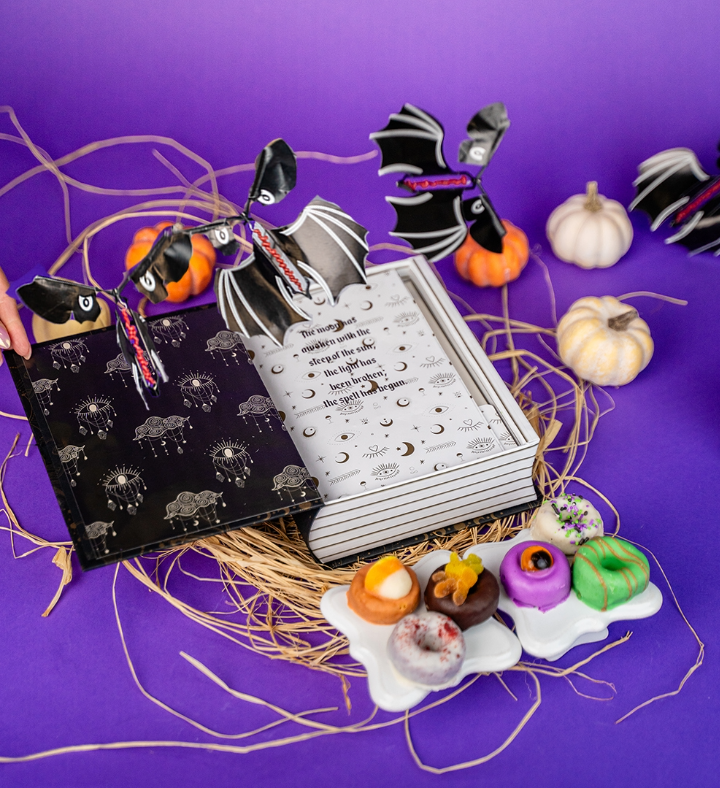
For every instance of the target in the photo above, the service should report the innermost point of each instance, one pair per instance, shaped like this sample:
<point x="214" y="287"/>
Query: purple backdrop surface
<point x="591" y="88"/>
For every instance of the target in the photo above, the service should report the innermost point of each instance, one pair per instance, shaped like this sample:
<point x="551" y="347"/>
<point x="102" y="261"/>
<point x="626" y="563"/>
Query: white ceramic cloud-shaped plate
<point x="553" y="633"/>
<point x="489" y="646"/>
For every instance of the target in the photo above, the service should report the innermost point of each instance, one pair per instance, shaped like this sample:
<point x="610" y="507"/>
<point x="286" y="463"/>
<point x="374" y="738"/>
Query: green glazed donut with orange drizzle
<point x="607" y="572"/>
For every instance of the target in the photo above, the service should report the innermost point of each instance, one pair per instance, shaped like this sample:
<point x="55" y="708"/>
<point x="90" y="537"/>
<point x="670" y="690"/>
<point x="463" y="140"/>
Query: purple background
<point x="592" y="88"/>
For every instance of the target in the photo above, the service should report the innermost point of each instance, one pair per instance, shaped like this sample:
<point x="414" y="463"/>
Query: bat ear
<point x="275" y="173"/>
<point x="486" y="130"/>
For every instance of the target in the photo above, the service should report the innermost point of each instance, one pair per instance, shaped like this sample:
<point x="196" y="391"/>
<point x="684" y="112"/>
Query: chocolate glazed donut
<point x="481" y="603"/>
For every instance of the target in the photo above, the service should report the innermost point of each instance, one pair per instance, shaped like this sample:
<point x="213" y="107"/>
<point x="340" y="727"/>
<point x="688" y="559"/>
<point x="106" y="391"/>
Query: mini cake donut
<point x="427" y="649"/>
<point x="384" y="592"/>
<point x="567" y="521"/>
<point x="536" y="574"/>
<point x="608" y="572"/>
<point x="463" y="590"/>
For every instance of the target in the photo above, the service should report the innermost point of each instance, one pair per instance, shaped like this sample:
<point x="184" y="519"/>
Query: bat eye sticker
<point x="148" y="282"/>
<point x="265" y="197"/>
<point x="56" y="300"/>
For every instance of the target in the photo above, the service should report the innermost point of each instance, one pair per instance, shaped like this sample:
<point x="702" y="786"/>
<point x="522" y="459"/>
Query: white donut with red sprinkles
<point x="427" y="648"/>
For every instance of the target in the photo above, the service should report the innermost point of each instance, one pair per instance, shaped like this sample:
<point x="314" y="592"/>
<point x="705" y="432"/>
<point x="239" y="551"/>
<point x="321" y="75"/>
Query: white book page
<point x="370" y="397"/>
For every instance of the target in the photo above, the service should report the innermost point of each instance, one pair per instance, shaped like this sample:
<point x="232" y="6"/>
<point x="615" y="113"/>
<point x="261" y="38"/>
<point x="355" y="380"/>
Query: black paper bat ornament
<point x="324" y="245"/>
<point x="433" y="221"/>
<point x="673" y="186"/>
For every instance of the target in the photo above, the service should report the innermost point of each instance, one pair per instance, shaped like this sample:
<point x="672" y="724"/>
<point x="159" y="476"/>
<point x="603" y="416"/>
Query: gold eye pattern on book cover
<point x="199" y="390"/>
<point x="69" y="353"/>
<point x="232" y="461"/>
<point x="95" y="414"/>
<point x="123" y="485"/>
<point x="169" y="330"/>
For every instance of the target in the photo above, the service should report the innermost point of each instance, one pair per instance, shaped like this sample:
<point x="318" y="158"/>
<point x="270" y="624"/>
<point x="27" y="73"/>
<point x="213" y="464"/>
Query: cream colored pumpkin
<point x="44" y="330"/>
<point x="589" y="230"/>
<point x="604" y="341"/>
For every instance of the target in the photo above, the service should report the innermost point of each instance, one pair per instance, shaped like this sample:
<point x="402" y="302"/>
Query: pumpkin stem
<point x="621" y="322"/>
<point x="592" y="203"/>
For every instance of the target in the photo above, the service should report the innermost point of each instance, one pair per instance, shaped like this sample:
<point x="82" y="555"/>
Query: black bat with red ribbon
<point x="434" y="220"/>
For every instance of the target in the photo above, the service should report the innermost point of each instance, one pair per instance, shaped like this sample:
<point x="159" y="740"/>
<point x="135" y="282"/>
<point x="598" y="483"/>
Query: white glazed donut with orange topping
<point x="384" y="592"/>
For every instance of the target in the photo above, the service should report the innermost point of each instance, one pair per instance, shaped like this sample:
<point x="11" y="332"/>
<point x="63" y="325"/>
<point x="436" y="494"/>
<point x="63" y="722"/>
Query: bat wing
<point x="666" y="182"/>
<point x="432" y="223"/>
<point x="411" y="143"/>
<point x="275" y="173"/>
<point x="57" y="300"/>
<point x="329" y="246"/>
<point x="486" y="129"/>
<point x="254" y="304"/>
<point x="167" y="261"/>
<point x="486" y="228"/>
<point x="702" y="232"/>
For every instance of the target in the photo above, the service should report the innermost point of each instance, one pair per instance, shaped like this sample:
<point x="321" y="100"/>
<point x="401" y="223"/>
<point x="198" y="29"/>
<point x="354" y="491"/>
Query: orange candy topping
<point x="388" y="579"/>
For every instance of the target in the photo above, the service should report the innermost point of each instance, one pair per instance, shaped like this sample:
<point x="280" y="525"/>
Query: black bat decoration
<point x="434" y="220"/>
<point x="58" y="300"/>
<point x="673" y="186"/>
<point x="324" y="246"/>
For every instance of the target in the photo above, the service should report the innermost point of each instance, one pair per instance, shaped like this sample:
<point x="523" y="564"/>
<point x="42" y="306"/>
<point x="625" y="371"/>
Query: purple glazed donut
<point x="536" y="574"/>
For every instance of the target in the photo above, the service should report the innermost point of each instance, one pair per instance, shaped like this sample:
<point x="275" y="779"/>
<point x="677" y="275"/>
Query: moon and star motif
<point x="355" y="365"/>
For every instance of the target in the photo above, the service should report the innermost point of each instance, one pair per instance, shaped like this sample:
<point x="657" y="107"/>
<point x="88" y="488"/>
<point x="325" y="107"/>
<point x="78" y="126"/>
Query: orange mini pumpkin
<point x="199" y="274"/>
<point x="488" y="269"/>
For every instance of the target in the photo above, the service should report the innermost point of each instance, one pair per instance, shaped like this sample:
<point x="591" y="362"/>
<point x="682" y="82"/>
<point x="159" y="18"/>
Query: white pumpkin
<point x="604" y="341"/>
<point x="589" y="230"/>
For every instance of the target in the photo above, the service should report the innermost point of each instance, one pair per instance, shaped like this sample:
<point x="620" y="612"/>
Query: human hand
<point x="12" y="331"/>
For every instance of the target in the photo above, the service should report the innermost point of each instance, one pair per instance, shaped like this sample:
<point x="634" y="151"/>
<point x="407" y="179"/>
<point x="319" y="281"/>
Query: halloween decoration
<point x="433" y="220"/>
<point x="323" y="245"/>
<point x="488" y="269"/>
<point x="672" y="185"/>
<point x="200" y="267"/>
<point x="604" y="341"/>
<point x="589" y="230"/>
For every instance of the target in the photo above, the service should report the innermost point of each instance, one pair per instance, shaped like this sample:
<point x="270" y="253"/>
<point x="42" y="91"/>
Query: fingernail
<point x="29" y="353"/>
<point x="4" y="338"/>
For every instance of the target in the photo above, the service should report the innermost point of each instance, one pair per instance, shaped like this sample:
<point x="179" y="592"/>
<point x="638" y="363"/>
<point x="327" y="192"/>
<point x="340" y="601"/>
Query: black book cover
<point x="210" y="454"/>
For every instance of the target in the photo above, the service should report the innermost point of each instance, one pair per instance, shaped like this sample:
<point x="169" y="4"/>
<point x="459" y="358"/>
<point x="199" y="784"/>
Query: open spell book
<point x="375" y="425"/>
